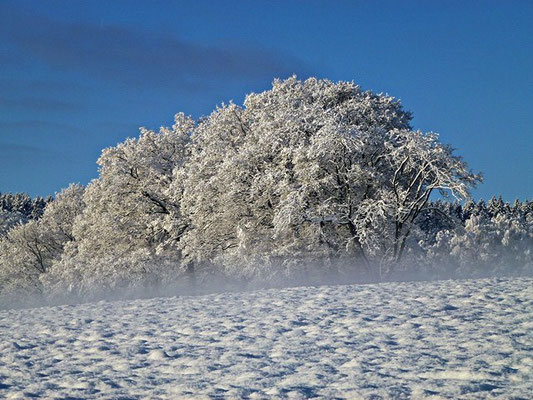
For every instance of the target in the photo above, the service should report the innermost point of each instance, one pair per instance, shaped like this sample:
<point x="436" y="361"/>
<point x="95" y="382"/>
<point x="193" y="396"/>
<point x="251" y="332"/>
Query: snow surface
<point x="451" y="339"/>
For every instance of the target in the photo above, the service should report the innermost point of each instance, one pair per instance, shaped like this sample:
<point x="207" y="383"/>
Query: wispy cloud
<point x="12" y="154"/>
<point x="38" y="126"/>
<point x="37" y="104"/>
<point x="139" y="58"/>
<point x="40" y="86"/>
<point x="9" y="148"/>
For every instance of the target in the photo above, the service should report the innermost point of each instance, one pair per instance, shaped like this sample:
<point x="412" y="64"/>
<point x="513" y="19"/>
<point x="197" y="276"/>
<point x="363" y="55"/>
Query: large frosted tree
<point x="311" y="171"/>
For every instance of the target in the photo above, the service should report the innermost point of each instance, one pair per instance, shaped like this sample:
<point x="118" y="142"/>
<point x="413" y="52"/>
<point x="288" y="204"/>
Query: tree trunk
<point x="190" y="270"/>
<point x="361" y="256"/>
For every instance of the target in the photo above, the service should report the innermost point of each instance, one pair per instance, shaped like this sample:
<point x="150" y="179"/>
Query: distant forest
<point x="309" y="181"/>
<point x="19" y="208"/>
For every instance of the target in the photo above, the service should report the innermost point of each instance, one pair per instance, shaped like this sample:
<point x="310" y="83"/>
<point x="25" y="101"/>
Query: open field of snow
<point x="451" y="339"/>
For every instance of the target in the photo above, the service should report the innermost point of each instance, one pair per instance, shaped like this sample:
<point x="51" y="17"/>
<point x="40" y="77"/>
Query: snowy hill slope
<point x="453" y="339"/>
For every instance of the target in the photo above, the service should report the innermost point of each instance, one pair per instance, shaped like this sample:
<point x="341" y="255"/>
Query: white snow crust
<point x="447" y="339"/>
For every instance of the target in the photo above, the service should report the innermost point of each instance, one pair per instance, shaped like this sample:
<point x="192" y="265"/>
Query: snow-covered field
<point x="451" y="339"/>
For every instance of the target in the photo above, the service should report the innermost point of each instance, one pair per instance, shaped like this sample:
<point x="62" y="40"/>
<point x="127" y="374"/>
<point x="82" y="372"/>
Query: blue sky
<point x="78" y="76"/>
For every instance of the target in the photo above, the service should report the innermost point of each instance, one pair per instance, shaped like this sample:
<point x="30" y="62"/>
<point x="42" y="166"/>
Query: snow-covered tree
<point x="311" y="170"/>
<point x="9" y="219"/>
<point x="19" y="208"/>
<point x="421" y="166"/>
<point x="495" y="239"/>
<point x="29" y="250"/>
<point x="130" y="208"/>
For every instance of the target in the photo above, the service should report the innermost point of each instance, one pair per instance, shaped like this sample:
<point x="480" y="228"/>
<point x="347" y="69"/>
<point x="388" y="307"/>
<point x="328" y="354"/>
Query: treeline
<point x="308" y="181"/>
<point x="476" y="239"/>
<point x="19" y="208"/>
